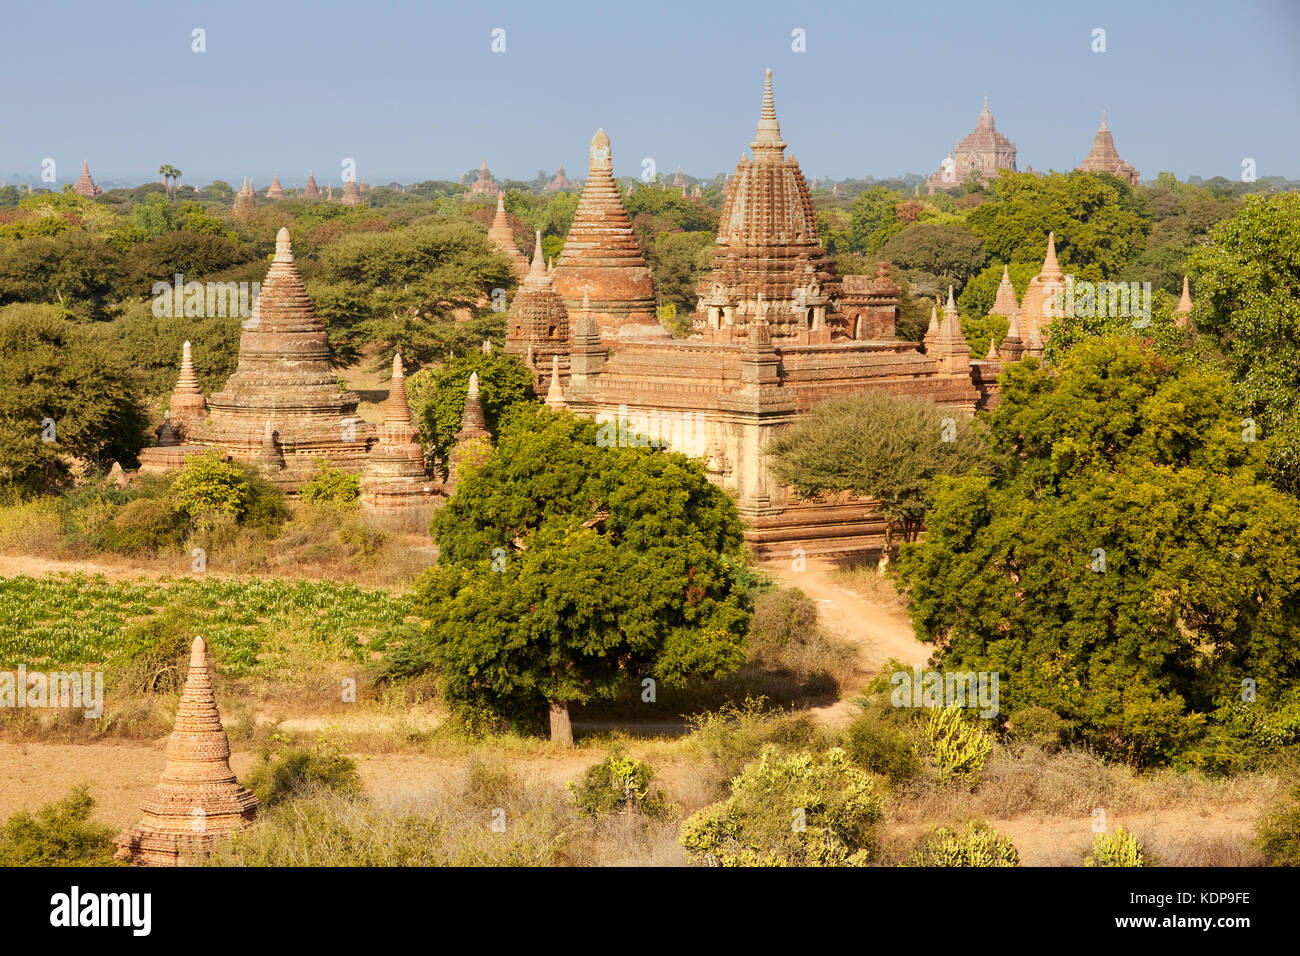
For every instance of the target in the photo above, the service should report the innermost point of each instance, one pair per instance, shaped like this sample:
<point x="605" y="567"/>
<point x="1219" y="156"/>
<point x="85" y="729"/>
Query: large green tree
<point x="1125" y="568"/>
<point x="568" y="567"/>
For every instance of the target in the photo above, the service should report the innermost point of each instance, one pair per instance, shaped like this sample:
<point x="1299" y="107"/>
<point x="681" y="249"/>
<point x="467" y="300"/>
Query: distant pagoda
<point x="395" y="485"/>
<point x="351" y="193"/>
<point x="537" y="327"/>
<point x="245" y="203"/>
<point x="276" y="191"/>
<point x="1041" y="303"/>
<point x="485" y="185"/>
<point x="560" y="181"/>
<point x="310" y="191"/>
<point x="85" y="185"/>
<point x="984" y="150"/>
<point x="601" y="258"/>
<point x="198" y="800"/>
<point x="1104" y="158"/>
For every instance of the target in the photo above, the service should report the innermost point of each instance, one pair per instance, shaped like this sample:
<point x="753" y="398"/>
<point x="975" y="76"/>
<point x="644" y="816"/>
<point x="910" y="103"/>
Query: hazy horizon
<point x="418" y="94"/>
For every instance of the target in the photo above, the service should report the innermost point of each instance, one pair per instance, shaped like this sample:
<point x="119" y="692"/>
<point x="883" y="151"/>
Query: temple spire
<point x="1049" y="261"/>
<point x="396" y="408"/>
<point x="767" y="141"/>
<point x="1185" y="301"/>
<point x="555" y="394"/>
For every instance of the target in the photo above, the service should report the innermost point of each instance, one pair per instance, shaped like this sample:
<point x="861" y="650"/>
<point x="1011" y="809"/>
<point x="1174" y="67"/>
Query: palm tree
<point x="171" y="175"/>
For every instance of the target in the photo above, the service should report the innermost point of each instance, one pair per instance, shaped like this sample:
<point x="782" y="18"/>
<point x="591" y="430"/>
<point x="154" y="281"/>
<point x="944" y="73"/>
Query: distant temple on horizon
<point x="485" y="185"/>
<point x="560" y="181"/>
<point x="984" y="151"/>
<point x="1104" y="158"/>
<point x="85" y="185"/>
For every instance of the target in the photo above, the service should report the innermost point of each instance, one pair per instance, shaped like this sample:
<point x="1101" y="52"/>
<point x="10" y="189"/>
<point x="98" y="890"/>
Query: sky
<point x="414" y="91"/>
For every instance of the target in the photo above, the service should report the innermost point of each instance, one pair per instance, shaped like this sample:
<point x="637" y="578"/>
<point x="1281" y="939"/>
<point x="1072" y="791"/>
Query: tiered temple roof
<point x="1104" y="158"/>
<point x="984" y="150"/>
<point x="395" y="486"/>
<point x="485" y="185"/>
<point x="284" y="376"/>
<point x="85" y="185"/>
<point x="538" y="325"/>
<point x="198" y="799"/>
<point x="502" y="235"/>
<point x="769" y="261"/>
<point x="560" y="181"/>
<point x="601" y="257"/>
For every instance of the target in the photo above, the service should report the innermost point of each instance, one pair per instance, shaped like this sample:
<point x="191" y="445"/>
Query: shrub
<point x="154" y="655"/>
<point x="976" y="845"/>
<point x="331" y="485"/>
<point x="878" y="746"/>
<point x="799" y="809"/>
<point x="31" y="526"/>
<point x="958" y="747"/>
<point x="733" y="735"/>
<point x="209" y="485"/>
<point x="292" y="771"/>
<point x="785" y="635"/>
<point x="1120" y="848"/>
<point x="618" y="784"/>
<point x="59" y="834"/>
<point x="1278" y="833"/>
<point x="1040" y="726"/>
<point x="145" y="525"/>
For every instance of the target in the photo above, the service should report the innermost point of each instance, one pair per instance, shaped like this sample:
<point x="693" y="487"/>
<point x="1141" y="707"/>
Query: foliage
<point x="503" y="385"/>
<point x="679" y="261"/>
<point x="882" y="748"/>
<point x="1247" y="296"/>
<point x="1120" y="848"/>
<point x="952" y="253"/>
<point x="58" y="834"/>
<point x="145" y="526"/>
<point x="888" y="447"/>
<point x="63" y="397"/>
<point x="957" y="747"/>
<point x="977" y="844"/>
<point x="798" y="809"/>
<point x="331" y="486"/>
<point x="284" y="772"/>
<point x="1277" y="834"/>
<point x="618" y="784"/>
<point x="210" y="486"/>
<point x="567" y="568"/>
<point x="1127" y="569"/>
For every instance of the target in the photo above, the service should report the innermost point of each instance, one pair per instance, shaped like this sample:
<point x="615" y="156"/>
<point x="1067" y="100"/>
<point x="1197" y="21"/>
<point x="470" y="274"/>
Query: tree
<point x="567" y="568"/>
<point x="887" y="447"/>
<point x="171" y="176"/>
<point x="503" y="385"/>
<point x="1247" y="297"/>
<point x="74" y="270"/>
<point x="873" y="220"/>
<point x="679" y="261"/>
<point x="1124" y="568"/>
<point x="952" y="253"/>
<point x="64" y="397"/>
<point x="1100" y="221"/>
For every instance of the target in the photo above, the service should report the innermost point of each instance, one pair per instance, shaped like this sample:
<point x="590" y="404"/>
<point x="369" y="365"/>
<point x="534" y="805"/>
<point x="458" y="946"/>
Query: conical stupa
<point x="187" y="409"/>
<point x="85" y="186"/>
<point x="395" y="486"/>
<point x="284" y="374"/>
<point x="1005" y="303"/>
<point x="311" y="190"/>
<point x="351" y="193"/>
<point x="245" y="203"/>
<point x="198" y="800"/>
<point x="601" y="256"/>
<point x="276" y="191"/>
<point x="473" y="440"/>
<point x="1042" y="302"/>
<point x="503" y="238"/>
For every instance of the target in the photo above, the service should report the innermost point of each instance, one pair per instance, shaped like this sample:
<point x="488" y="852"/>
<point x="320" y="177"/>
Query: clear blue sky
<point x="412" y="91"/>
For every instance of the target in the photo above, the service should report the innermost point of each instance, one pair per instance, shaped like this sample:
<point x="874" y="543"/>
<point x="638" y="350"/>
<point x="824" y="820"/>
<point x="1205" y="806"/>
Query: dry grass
<point x="863" y="579"/>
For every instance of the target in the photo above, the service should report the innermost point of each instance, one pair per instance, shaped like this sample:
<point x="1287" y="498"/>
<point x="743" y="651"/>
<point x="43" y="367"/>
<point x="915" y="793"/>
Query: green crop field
<point x="75" y="620"/>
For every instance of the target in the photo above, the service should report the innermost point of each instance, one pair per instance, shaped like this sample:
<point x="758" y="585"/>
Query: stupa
<point x="601" y="258"/>
<point x="85" y="186"/>
<point x="1104" y="158"/>
<point x="502" y="235"/>
<point x="473" y="440"/>
<point x="198" y="800"/>
<point x="1183" y="311"/>
<point x="1041" y="302"/>
<point x="310" y="191"/>
<point x="245" y="203"/>
<point x="395" y="485"/>
<point x="538" y="324"/>
<point x="1004" y="303"/>
<point x="984" y="150"/>
<point x="276" y="191"/>
<point x="351" y="193"/>
<point x="284" y="375"/>
<point x="186" y="407"/>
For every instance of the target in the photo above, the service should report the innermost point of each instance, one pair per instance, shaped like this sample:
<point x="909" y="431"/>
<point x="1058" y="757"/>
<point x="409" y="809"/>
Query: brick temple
<point x="1104" y="157"/>
<point x="85" y="186"/>
<point x="984" y="150"/>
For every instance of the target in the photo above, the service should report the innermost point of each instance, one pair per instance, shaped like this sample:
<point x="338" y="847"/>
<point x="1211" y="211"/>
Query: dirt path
<point x="876" y="631"/>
